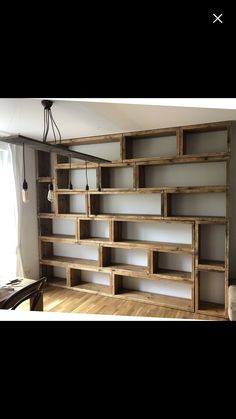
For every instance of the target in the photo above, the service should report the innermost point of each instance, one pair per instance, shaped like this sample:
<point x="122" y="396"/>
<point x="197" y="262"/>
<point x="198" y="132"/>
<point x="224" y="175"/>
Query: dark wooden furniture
<point x="17" y="291"/>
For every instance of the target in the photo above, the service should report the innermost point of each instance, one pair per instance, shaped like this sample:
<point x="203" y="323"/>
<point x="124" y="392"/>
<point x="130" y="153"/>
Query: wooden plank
<point x="179" y="142"/>
<point x="74" y="277"/>
<point x="127" y="148"/>
<point x="47" y="147"/>
<point x="96" y="139"/>
<point x="152" y="245"/>
<point x="59" y="238"/>
<point x="45" y="227"/>
<point x="45" y="179"/>
<point x="227" y="232"/>
<point x="188" y="158"/>
<point x="166" y="205"/>
<point x="104" y="256"/>
<point x="116" y="283"/>
<point x="211" y="265"/>
<point x="93" y="204"/>
<point x="63" y="261"/>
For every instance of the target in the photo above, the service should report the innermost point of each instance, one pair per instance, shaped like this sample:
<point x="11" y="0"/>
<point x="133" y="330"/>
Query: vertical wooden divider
<point x="179" y="142"/>
<point x="196" y="257"/>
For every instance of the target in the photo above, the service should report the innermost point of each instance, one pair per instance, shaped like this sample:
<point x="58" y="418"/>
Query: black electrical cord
<point x="99" y="176"/>
<point x="25" y="184"/>
<point x="48" y="118"/>
<point x="86" y="174"/>
<point x="70" y="184"/>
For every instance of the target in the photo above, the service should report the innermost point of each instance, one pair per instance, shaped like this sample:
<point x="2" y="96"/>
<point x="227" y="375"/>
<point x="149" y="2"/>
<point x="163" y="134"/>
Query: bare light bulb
<point x="25" y="193"/>
<point x="50" y="196"/>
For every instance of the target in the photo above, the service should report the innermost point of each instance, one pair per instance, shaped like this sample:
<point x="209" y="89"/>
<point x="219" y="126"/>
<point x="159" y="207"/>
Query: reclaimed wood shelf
<point x="129" y="176"/>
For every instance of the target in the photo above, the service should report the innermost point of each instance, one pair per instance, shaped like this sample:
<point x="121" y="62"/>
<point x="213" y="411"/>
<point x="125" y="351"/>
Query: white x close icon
<point x="217" y="18"/>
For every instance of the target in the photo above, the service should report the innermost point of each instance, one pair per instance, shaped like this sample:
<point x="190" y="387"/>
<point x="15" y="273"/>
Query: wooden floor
<point x="69" y="301"/>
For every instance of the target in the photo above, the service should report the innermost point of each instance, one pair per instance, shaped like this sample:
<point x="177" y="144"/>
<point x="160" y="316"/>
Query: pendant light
<point x="51" y="193"/>
<point x="25" y="193"/>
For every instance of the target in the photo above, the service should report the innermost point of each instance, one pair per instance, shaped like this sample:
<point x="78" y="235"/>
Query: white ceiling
<point x="81" y="118"/>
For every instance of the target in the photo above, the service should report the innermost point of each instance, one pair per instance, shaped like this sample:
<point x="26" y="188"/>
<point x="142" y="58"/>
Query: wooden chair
<point x="34" y="292"/>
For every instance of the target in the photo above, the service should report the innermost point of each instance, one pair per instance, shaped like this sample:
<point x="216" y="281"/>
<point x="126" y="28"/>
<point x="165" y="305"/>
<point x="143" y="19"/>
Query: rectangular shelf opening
<point x="211" y="288"/>
<point x="117" y="177"/>
<point x="212" y="246"/>
<point x="133" y="204"/>
<point x="177" y="175"/>
<point x="124" y="259"/>
<point x="153" y="233"/>
<point x="59" y="254"/>
<point x="150" y="145"/>
<point x="55" y="275"/>
<point x="177" y="265"/>
<point x="72" y="204"/>
<point x="94" y="230"/>
<point x="57" y="228"/>
<point x="164" y="293"/>
<point x="90" y="281"/>
<point x="205" y="141"/>
<point x="207" y="204"/>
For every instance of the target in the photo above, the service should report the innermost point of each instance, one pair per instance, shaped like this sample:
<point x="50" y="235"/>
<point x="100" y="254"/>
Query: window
<point x="8" y="215"/>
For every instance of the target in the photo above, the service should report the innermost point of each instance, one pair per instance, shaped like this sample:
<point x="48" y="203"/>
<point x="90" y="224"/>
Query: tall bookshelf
<point x="147" y="171"/>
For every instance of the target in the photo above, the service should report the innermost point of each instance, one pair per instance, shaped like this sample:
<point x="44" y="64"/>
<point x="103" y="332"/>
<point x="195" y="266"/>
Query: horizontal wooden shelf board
<point x="197" y="218"/>
<point x="56" y="281"/>
<point x="59" y="238"/>
<point x="126" y="267"/>
<point x="94" y="240"/>
<point x="212" y="309"/>
<point x="125" y="191"/>
<point x="93" y="288"/>
<point x="162" y="246"/>
<point x="74" y="191"/>
<point x="170" y="273"/>
<point x="45" y="179"/>
<point x="64" y="261"/>
<point x="188" y="158"/>
<point x="127" y="217"/>
<point x="174" y="159"/>
<point x="196" y="189"/>
<point x="97" y="139"/>
<point x="55" y="216"/>
<point x="157" y="299"/>
<point x="211" y="265"/>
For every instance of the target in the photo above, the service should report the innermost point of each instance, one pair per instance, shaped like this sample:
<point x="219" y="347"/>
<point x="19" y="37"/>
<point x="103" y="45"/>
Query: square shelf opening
<point x="90" y="281"/>
<point x="207" y="204"/>
<point x="94" y="229"/>
<point x="200" y="142"/>
<point x="212" y="243"/>
<point x="172" y="264"/>
<point x="150" y="145"/>
<point x="55" y="275"/>
<point x="61" y="226"/>
<point x="211" y="292"/>
<point x="177" y="175"/>
<point x="117" y="177"/>
<point x="44" y="164"/>
<point x="71" y="204"/>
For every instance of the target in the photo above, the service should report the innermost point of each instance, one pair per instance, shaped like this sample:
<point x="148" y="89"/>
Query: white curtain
<point x="10" y="211"/>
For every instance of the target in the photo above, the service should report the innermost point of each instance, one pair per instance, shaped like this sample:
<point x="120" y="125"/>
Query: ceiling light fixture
<point x="57" y="147"/>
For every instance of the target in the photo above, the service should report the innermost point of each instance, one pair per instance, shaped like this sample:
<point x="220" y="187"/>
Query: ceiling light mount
<point x="47" y="104"/>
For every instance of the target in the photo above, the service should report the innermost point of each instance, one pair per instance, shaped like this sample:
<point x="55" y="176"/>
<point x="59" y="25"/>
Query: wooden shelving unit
<point x="147" y="170"/>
